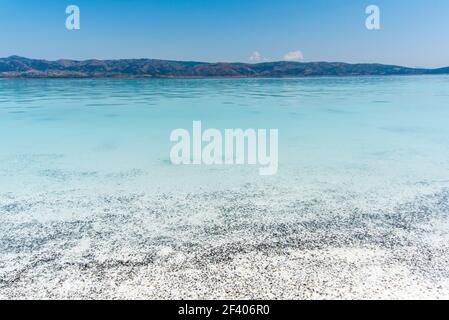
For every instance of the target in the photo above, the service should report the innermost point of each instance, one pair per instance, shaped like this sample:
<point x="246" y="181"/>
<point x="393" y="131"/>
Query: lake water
<point x="360" y="201"/>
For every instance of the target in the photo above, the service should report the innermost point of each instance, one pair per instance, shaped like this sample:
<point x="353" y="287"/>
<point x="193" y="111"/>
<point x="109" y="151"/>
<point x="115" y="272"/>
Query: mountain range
<point x="20" y="67"/>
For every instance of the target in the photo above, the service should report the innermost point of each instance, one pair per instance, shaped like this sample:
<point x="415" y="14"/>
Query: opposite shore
<point x="20" y="67"/>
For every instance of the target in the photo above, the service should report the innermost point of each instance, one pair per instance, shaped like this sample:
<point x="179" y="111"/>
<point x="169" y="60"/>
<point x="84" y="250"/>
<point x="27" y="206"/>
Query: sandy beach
<point x="240" y="244"/>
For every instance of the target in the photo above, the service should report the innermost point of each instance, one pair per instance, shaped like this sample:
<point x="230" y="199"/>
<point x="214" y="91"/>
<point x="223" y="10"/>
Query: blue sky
<point x="413" y="32"/>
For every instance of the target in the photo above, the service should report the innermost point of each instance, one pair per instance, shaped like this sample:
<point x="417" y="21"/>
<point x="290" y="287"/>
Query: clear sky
<point x="413" y="32"/>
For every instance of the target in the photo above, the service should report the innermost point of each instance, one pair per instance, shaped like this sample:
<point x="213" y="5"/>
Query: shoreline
<point x="226" y="78"/>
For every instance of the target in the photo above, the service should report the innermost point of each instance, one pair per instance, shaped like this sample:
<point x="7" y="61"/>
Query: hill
<point x="19" y="67"/>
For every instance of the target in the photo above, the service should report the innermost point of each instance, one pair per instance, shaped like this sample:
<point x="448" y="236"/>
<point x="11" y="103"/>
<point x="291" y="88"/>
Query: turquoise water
<point x="91" y="206"/>
<point x="88" y="132"/>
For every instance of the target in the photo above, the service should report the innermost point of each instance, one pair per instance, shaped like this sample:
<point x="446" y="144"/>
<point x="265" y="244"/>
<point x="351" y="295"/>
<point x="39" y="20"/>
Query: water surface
<point x="87" y="190"/>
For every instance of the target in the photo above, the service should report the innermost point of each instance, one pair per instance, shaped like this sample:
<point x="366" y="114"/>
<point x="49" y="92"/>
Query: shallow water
<point x="88" y="193"/>
<point x="66" y="133"/>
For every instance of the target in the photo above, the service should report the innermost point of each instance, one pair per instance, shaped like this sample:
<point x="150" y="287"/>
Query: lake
<point x="92" y="207"/>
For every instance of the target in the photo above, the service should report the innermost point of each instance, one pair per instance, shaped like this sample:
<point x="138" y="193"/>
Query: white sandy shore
<point x="248" y="243"/>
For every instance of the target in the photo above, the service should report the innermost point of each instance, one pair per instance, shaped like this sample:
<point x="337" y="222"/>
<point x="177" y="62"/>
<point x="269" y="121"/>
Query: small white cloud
<point x="256" y="57"/>
<point x="293" y="56"/>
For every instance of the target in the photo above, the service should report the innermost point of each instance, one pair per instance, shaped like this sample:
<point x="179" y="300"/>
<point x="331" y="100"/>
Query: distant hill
<point x="19" y="67"/>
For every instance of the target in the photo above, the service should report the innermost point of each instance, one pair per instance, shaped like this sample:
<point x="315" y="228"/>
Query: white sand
<point x="249" y="243"/>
